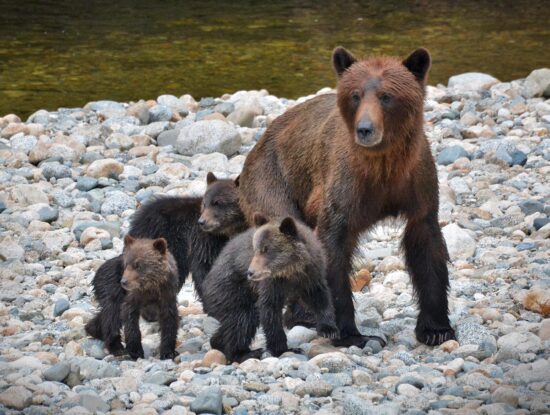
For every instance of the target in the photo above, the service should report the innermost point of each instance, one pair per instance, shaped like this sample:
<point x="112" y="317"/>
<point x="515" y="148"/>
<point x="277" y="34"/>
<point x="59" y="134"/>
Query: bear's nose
<point x="249" y="273"/>
<point x="124" y="282"/>
<point x="201" y="222"/>
<point x="365" y="129"/>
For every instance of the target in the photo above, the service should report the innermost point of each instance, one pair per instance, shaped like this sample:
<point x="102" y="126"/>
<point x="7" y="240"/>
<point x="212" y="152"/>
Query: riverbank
<point x="71" y="179"/>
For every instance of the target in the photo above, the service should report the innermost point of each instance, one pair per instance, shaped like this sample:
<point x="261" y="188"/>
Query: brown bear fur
<point x="149" y="280"/>
<point x="342" y="162"/>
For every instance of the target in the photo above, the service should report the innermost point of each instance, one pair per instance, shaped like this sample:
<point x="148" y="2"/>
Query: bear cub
<point x="256" y="274"/>
<point x="149" y="279"/>
<point x="196" y="229"/>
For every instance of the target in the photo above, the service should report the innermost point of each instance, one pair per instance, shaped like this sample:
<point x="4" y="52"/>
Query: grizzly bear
<point x="342" y="162"/>
<point x="196" y="229"/>
<point x="149" y="278"/>
<point x="256" y="273"/>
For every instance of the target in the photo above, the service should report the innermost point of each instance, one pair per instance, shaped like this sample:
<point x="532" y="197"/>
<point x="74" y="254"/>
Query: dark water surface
<point x="66" y="53"/>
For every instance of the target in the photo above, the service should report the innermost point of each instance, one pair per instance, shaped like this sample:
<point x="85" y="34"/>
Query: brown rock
<point x="105" y="168"/>
<point x="141" y="151"/>
<point x="214" y="357"/>
<point x="318" y="349"/>
<point x="538" y="300"/>
<point x="215" y="116"/>
<point x="141" y="140"/>
<point x="12" y="118"/>
<point x="360" y="280"/>
<point x="14" y="128"/>
<point x="449" y="346"/>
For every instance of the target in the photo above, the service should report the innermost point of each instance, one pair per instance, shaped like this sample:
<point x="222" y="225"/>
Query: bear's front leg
<point x="426" y="255"/>
<point x="169" y="324"/>
<point x="132" y="335"/>
<point x="271" y="300"/>
<point x="339" y="243"/>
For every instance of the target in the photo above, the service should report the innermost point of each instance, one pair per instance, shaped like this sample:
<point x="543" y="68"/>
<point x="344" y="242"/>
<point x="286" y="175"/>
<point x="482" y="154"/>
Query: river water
<point x="65" y="53"/>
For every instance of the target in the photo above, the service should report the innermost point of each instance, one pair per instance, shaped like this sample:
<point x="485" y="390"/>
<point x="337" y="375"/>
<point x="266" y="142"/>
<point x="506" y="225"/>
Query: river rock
<point x="208" y="401"/>
<point x="471" y="81"/>
<point x="105" y="168"/>
<point x="16" y="397"/>
<point x="459" y="242"/>
<point x="208" y="137"/>
<point x="537" y="84"/>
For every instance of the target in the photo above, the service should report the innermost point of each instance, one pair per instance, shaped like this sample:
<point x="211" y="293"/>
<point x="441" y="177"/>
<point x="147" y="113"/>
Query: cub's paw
<point x="116" y="348"/>
<point x="168" y="355"/>
<point x="434" y="337"/>
<point x="330" y="331"/>
<point x="356" y="340"/>
<point x="135" y="352"/>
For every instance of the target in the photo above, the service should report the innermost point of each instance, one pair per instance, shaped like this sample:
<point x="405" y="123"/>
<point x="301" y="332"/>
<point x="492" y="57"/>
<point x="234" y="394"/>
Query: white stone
<point x="459" y="242"/>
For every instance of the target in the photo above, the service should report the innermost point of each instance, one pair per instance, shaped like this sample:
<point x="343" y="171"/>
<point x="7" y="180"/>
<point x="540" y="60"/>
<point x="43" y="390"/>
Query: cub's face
<point x="220" y="211"/>
<point x="274" y="247"/>
<point x="145" y="263"/>
<point x="380" y="98"/>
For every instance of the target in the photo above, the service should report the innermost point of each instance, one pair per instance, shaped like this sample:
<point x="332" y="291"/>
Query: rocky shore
<point x="71" y="179"/>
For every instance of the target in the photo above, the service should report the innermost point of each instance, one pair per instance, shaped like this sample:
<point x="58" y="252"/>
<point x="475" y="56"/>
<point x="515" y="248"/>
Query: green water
<point x="66" y="53"/>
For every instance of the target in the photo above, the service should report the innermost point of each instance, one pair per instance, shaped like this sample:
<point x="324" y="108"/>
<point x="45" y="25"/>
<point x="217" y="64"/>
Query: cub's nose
<point x="201" y="222"/>
<point x="124" y="283"/>
<point x="365" y="130"/>
<point x="249" y="274"/>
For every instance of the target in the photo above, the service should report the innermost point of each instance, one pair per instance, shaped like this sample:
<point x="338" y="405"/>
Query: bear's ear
<point x="128" y="240"/>
<point x="288" y="227"/>
<point x="237" y="181"/>
<point x="419" y="63"/>
<point x="259" y="219"/>
<point x="210" y="178"/>
<point x="342" y="60"/>
<point x="160" y="245"/>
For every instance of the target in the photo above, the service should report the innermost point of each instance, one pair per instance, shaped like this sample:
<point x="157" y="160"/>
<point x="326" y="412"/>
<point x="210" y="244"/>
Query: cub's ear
<point x="342" y="60"/>
<point x="128" y="240"/>
<point x="419" y="63"/>
<point x="210" y="178"/>
<point x="259" y="219"/>
<point x="160" y="245"/>
<point x="288" y="227"/>
<point x="237" y="181"/>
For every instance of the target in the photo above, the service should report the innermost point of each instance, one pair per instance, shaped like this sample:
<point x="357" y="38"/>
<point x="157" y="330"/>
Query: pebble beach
<point x="71" y="179"/>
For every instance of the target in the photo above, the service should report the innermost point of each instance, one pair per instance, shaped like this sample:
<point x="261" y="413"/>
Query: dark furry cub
<point x="149" y="279"/>
<point x="196" y="229"/>
<point x="256" y="274"/>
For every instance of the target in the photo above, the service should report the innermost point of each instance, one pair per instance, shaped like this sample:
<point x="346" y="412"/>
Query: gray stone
<point x="472" y="333"/>
<point x="159" y="113"/>
<point x="208" y="401"/>
<point x="450" y="154"/>
<point x="23" y="143"/>
<point x="61" y="306"/>
<point x="56" y="170"/>
<point x="315" y="388"/>
<point x="103" y="105"/>
<point x="57" y="372"/>
<point x="117" y="202"/>
<point x="528" y="207"/>
<point x="225" y="108"/>
<point x="513" y="345"/>
<point x="92" y="403"/>
<point x="160" y="377"/>
<point x="10" y="249"/>
<point x="48" y="214"/>
<point x="85" y="183"/>
<point x="168" y="138"/>
<point x="91" y="368"/>
<point x="208" y="137"/>
<point x="471" y="81"/>
<point x="537" y="84"/>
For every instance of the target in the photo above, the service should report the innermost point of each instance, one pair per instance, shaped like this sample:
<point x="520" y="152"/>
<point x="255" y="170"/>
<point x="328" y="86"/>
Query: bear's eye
<point x="263" y="249"/>
<point x="138" y="266"/>
<point x="355" y="97"/>
<point x="385" y="99"/>
<point x="215" y="203"/>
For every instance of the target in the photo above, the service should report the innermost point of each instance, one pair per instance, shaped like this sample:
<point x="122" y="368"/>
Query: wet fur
<point x="308" y="165"/>
<point x="155" y="284"/>
<point x="241" y="305"/>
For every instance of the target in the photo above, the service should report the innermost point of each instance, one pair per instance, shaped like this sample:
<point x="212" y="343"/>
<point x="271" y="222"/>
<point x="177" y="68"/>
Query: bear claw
<point x="434" y="337"/>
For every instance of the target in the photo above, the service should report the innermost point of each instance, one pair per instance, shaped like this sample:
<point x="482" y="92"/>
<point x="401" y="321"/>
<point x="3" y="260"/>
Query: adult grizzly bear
<point x="342" y="162"/>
